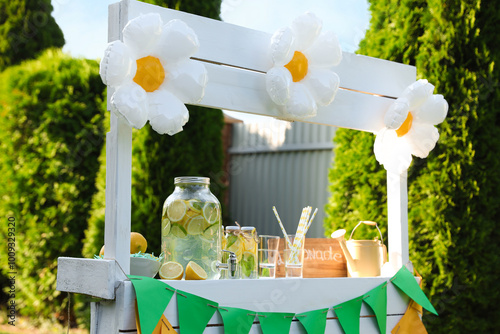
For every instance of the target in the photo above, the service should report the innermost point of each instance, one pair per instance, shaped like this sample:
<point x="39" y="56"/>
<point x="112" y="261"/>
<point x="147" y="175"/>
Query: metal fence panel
<point x="279" y="164"/>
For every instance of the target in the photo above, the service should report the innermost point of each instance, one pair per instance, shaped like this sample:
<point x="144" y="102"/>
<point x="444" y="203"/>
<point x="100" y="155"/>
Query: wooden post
<point x="397" y="214"/>
<point x="118" y="193"/>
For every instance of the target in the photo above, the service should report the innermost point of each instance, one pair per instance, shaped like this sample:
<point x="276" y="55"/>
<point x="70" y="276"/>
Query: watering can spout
<point x="339" y="236"/>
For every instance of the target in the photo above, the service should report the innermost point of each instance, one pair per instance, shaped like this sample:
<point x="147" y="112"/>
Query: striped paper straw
<point x="282" y="227"/>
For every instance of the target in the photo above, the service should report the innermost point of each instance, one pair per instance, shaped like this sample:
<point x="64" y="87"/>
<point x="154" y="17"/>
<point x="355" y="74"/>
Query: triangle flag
<point x="164" y="326"/>
<point x="410" y="323"/>
<point x="313" y="321"/>
<point x="236" y="320"/>
<point x="348" y="314"/>
<point x="377" y="300"/>
<point x="194" y="312"/>
<point x="275" y="323"/>
<point x="153" y="297"/>
<point x="406" y="282"/>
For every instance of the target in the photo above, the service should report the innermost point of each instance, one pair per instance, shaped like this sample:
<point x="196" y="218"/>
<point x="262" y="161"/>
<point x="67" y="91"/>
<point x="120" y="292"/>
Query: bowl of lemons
<point x="144" y="264"/>
<point x="141" y="263"/>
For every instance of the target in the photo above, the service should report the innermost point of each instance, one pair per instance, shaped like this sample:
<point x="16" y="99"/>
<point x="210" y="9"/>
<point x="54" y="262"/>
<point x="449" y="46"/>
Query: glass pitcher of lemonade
<point x="191" y="228"/>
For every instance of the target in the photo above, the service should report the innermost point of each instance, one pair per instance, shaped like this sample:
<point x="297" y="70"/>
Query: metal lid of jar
<point x="192" y="180"/>
<point x="232" y="228"/>
<point x="247" y="228"/>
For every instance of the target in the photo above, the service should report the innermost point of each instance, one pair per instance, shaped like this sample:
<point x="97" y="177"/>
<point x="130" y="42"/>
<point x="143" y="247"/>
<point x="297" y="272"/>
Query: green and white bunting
<point x="236" y="320"/>
<point x="153" y="296"/>
<point x="313" y="321"/>
<point x="189" y="305"/>
<point x="275" y="323"/>
<point x="348" y="314"/>
<point x="405" y="281"/>
<point x="377" y="300"/>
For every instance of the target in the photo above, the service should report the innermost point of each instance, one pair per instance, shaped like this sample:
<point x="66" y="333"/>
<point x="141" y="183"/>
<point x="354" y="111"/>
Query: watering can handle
<point x="367" y="222"/>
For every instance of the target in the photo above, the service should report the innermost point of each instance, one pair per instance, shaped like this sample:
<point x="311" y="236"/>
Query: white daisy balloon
<point x="152" y="73"/>
<point x="301" y="78"/>
<point x="410" y="127"/>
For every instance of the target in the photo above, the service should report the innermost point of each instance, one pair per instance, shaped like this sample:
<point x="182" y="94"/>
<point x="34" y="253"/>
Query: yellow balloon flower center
<point x="297" y="66"/>
<point x="406" y="126"/>
<point x="150" y="73"/>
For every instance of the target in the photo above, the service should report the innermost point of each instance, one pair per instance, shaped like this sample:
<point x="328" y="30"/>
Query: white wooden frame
<point x="237" y="59"/>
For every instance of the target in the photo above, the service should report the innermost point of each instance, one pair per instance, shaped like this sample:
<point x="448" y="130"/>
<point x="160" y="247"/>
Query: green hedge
<point x="26" y="29"/>
<point x="453" y="194"/>
<point x="51" y="115"/>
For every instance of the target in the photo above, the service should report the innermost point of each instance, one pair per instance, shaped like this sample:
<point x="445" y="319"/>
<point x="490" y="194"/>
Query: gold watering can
<point x="365" y="258"/>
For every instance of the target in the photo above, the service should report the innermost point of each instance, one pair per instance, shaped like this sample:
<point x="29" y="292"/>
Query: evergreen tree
<point x="453" y="193"/>
<point x="26" y="29"/>
<point x="157" y="159"/>
<point x="51" y="111"/>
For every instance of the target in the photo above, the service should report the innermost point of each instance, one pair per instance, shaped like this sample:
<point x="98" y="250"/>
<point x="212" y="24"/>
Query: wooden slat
<point x="233" y="45"/>
<point x="245" y="91"/>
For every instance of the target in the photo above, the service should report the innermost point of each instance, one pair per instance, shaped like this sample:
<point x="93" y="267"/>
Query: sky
<point x="84" y="22"/>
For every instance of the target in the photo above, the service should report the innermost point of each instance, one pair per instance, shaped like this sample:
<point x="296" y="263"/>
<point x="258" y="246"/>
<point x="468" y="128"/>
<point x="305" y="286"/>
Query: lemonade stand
<point x="181" y="58"/>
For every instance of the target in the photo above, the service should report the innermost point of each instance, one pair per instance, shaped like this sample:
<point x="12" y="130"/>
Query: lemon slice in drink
<point x="176" y="210"/>
<point x="210" y="232"/>
<point x="171" y="270"/>
<point x="211" y="212"/>
<point x="165" y="227"/>
<point x="196" y="225"/>
<point x="235" y="245"/>
<point x="195" y="272"/>
<point x="195" y="205"/>
<point x="178" y="231"/>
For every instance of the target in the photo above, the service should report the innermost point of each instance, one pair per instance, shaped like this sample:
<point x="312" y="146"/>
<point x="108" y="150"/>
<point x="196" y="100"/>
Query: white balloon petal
<point x="130" y="102"/>
<point x="187" y="80"/>
<point x="141" y="34"/>
<point x="418" y="92"/>
<point x="315" y="84"/>
<point x="282" y="43"/>
<point x="301" y="104"/>
<point x="117" y="65"/>
<point x="306" y="28"/>
<point x="433" y="110"/>
<point x="397" y="113"/>
<point x="326" y="51"/>
<point x="391" y="151"/>
<point x="167" y="114"/>
<point x="322" y="84"/>
<point x="422" y="138"/>
<point x="278" y="82"/>
<point x="177" y="41"/>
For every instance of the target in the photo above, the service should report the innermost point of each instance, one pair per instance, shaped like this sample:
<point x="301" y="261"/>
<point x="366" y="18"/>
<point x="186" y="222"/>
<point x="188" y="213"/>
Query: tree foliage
<point x="52" y="134"/>
<point x="157" y="159"/>
<point x="453" y="213"/>
<point x="26" y="29"/>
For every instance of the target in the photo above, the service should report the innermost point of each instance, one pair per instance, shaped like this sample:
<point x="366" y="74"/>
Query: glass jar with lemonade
<point x="242" y="241"/>
<point x="249" y="264"/>
<point x="191" y="227"/>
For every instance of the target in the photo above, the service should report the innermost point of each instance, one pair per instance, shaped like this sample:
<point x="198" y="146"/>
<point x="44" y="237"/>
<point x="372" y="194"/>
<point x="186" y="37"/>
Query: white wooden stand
<point x="237" y="59"/>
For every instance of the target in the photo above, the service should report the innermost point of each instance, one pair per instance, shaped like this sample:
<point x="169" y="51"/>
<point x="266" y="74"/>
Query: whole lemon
<point x="137" y="243"/>
<point x="101" y="253"/>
